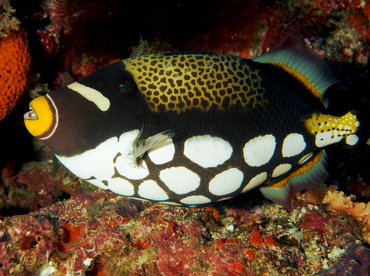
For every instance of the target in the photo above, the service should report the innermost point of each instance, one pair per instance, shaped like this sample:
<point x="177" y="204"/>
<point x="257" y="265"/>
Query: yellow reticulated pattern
<point x="338" y="126"/>
<point x="180" y="82"/>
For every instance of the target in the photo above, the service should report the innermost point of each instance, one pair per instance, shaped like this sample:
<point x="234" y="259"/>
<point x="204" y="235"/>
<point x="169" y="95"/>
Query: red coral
<point x="256" y="237"/>
<point x="143" y="244"/>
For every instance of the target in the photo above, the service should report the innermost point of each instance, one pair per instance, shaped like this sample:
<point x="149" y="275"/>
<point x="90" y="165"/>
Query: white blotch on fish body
<point x="255" y="181"/>
<point x="149" y="189"/>
<point x="226" y="182"/>
<point x="180" y="179"/>
<point x="293" y="145"/>
<point x="281" y="169"/>
<point x="207" y="151"/>
<point x="259" y="150"/>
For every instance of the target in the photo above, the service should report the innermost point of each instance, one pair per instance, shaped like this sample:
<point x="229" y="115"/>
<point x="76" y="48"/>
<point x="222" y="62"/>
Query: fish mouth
<point x="31" y="114"/>
<point x="40" y="120"/>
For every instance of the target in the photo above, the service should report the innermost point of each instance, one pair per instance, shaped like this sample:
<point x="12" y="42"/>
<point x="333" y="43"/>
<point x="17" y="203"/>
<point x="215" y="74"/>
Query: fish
<point x="195" y="128"/>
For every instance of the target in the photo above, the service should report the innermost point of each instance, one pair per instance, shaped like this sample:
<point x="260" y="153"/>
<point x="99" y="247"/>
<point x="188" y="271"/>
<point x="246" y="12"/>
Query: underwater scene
<point x="200" y="138"/>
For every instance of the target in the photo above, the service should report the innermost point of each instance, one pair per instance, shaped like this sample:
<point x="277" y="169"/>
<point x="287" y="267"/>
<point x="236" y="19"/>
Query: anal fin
<point x="309" y="175"/>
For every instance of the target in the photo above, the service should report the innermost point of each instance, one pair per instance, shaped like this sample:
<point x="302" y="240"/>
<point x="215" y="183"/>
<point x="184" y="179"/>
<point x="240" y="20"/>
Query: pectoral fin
<point x="141" y="146"/>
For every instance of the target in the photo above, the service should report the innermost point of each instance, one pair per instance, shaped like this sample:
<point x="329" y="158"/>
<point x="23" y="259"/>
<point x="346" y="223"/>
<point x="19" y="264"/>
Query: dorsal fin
<point x="301" y="62"/>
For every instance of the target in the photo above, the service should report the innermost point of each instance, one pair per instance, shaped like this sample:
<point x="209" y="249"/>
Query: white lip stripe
<point x="56" y="117"/>
<point x="91" y="94"/>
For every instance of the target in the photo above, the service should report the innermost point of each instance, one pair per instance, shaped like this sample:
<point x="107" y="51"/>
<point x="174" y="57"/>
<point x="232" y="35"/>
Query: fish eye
<point x="125" y="86"/>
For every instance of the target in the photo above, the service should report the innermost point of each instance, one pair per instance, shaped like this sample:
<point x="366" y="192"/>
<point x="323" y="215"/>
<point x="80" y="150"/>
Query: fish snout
<point x="40" y="119"/>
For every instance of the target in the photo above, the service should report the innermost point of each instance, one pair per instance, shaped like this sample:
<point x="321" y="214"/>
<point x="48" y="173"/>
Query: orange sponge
<point x="15" y="62"/>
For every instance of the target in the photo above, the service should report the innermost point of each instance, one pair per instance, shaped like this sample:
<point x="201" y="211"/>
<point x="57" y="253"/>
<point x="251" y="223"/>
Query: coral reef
<point x="99" y="233"/>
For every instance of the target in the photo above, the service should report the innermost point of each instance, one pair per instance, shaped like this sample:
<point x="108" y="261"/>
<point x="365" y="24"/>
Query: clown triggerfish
<point x="189" y="128"/>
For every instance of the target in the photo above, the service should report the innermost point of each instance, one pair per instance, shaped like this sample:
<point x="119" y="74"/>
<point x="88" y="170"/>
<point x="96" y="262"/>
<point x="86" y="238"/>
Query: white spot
<point x="121" y="186"/>
<point x="91" y="95"/>
<point x="150" y="189"/>
<point x="293" y="145"/>
<point x="281" y="169"/>
<point x="357" y="124"/>
<point x="195" y="200"/>
<point x="207" y="151"/>
<point x="163" y="153"/>
<point x="226" y="182"/>
<point x="180" y="180"/>
<point x="327" y="138"/>
<point x="259" y="150"/>
<point x="305" y="158"/>
<point x="352" y="139"/>
<point x="126" y="163"/>
<point x="255" y="181"/>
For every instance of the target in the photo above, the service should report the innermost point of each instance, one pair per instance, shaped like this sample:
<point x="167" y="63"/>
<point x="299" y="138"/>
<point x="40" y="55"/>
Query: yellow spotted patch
<point x="180" y="82"/>
<point x="338" y="126"/>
